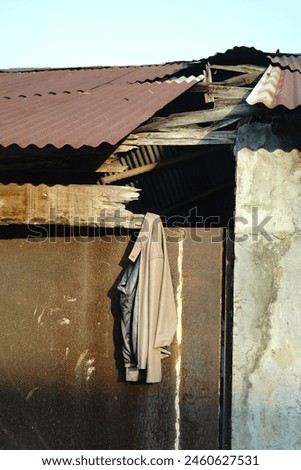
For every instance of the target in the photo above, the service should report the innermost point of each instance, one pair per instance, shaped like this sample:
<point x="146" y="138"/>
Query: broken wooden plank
<point x="105" y="168"/>
<point x="223" y="91"/>
<point x="222" y="102"/>
<point x="129" y="173"/>
<point x="124" y="148"/>
<point x="238" y="80"/>
<point x="199" y="117"/>
<point x="243" y="79"/>
<point x="208" y="78"/>
<point x="111" y="165"/>
<point x="87" y="205"/>
<point x="183" y="136"/>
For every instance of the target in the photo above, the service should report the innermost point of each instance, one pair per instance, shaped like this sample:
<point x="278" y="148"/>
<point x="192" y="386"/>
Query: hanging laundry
<point x="149" y="316"/>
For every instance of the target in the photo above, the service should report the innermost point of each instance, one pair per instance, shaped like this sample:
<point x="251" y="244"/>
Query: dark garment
<point x="129" y="302"/>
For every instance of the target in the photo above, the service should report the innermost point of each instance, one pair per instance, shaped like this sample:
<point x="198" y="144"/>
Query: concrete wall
<point x="266" y="394"/>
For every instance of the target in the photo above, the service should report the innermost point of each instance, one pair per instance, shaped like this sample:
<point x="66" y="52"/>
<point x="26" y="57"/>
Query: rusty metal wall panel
<point x="200" y="372"/>
<point x="61" y="377"/>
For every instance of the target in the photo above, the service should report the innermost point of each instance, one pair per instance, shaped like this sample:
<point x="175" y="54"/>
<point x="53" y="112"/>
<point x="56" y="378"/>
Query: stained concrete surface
<point x="266" y="389"/>
<point x="61" y="376"/>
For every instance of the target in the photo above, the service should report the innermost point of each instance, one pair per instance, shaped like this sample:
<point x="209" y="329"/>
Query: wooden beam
<point x="111" y="165"/>
<point x="238" y="68"/>
<point x="124" y="148"/>
<point x="129" y="173"/>
<point x="87" y="205"/>
<point x="106" y="168"/>
<point x="228" y="102"/>
<point x="223" y="91"/>
<point x="199" y="117"/>
<point x="225" y="123"/>
<point x="208" y="78"/>
<point x="243" y="79"/>
<point x="183" y="136"/>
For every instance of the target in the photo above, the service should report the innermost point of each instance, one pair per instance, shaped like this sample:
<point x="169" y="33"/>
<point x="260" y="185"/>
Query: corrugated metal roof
<point x="105" y="114"/>
<point x="90" y="106"/>
<point x="86" y="106"/>
<point x="67" y="81"/>
<point x="277" y="87"/>
<point x="293" y="63"/>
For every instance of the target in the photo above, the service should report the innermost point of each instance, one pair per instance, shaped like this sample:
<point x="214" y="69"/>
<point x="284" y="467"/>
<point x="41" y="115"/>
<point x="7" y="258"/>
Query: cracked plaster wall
<point x="266" y="390"/>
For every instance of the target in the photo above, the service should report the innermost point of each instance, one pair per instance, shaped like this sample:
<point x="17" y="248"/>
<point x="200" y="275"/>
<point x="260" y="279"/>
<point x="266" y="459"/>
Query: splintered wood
<point x="87" y="205"/>
<point x="201" y="127"/>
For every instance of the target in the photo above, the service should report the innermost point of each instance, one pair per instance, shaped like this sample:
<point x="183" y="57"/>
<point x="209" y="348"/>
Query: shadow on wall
<point x="113" y="295"/>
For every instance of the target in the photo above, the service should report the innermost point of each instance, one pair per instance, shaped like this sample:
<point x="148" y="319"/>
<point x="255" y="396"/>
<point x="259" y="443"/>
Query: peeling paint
<point x="81" y="363"/>
<point x="35" y="311"/>
<point x="70" y="299"/>
<point x="90" y="372"/>
<point x="41" y="316"/>
<point x="31" y="392"/>
<point x="64" y="321"/>
<point x="84" y="368"/>
<point x="67" y="351"/>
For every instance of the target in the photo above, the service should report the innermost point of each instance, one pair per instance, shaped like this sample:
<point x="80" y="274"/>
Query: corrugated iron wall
<point x="61" y="377"/>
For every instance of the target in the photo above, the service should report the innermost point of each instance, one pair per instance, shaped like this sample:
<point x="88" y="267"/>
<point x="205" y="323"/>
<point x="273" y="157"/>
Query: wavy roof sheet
<point x="24" y="84"/>
<point x="85" y="106"/>
<point x="280" y="84"/>
<point x="105" y="114"/>
<point x="90" y="106"/>
<point x="293" y="63"/>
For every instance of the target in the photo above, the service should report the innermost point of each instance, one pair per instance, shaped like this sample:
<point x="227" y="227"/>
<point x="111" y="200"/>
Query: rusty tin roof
<point x="293" y="63"/>
<point x="90" y="106"/>
<point x="83" y="106"/>
<point x="43" y="82"/>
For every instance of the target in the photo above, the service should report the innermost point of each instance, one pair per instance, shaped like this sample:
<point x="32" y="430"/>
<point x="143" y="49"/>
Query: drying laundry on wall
<point x="148" y="307"/>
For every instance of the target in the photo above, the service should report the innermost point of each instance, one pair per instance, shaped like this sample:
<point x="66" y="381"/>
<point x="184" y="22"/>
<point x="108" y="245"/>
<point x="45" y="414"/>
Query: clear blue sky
<point x="65" y="33"/>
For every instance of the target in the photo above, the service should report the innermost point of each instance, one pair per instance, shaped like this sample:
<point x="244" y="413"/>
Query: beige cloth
<point x="157" y="317"/>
